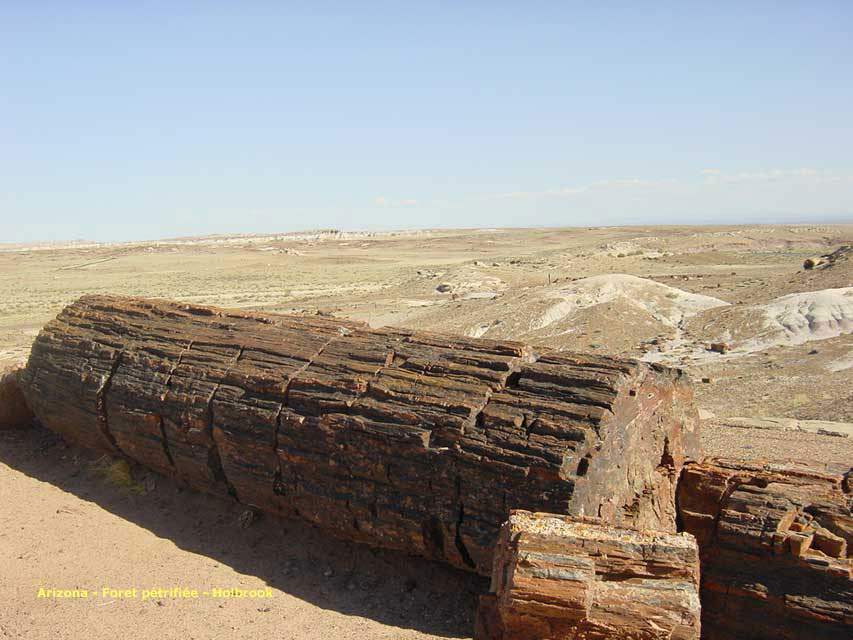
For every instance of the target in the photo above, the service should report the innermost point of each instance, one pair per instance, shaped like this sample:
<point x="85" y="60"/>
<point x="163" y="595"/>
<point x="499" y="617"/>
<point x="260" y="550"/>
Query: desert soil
<point x="68" y="520"/>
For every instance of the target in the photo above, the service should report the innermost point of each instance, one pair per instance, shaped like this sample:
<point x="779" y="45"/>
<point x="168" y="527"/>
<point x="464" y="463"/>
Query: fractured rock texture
<point x="559" y="577"/>
<point x="775" y="543"/>
<point x="406" y="440"/>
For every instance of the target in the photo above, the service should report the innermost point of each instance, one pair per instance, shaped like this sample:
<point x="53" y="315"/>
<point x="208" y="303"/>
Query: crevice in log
<point x="460" y="518"/>
<point x="214" y="459"/>
<point x="511" y="381"/>
<point x="475" y="420"/>
<point x="278" y="485"/>
<point x="460" y="543"/>
<point x="101" y="405"/>
<point x="732" y="484"/>
<point x="165" y="442"/>
<point x="168" y="384"/>
<point x="214" y="463"/>
<point x="389" y="364"/>
<point x="301" y="370"/>
<point x="178" y="363"/>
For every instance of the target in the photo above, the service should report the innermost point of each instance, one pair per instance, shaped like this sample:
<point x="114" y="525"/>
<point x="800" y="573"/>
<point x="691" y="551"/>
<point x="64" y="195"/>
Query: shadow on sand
<point x="291" y="556"/>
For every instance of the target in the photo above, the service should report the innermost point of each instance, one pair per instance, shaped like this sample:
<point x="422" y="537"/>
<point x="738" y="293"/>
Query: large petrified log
<point x="775" y="544"/>
<point x="407" y="440"/>
<point x="559" y="578"/>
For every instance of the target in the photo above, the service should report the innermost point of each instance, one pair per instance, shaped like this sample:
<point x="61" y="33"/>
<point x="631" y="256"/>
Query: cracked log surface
<point x="559" y="577"/>
<point x="401" y="439"/>
<point x="775" y="543"/>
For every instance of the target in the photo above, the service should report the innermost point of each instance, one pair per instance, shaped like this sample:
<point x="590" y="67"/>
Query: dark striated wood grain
<point x="408" y="440"/>
<point x="775" y="543"/>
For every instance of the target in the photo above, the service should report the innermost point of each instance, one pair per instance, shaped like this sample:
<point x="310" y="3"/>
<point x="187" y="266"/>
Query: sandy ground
<point x="65" y="525"/>
<point x="658" y="293"/>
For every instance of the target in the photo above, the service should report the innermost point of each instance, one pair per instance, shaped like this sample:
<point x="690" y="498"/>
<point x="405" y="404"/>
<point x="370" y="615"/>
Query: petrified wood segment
<point x="775" y="544"/>
<point x="558" y="577"/>
<point x="408" y="440"/>
<point x="14" y="412"/>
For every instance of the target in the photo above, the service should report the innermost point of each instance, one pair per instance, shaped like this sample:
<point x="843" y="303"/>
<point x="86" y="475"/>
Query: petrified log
<point x="774" y="543"/>
<point x="14" y="412"/>
<point x="407" y="440"/>
<point x="557" y="578"/>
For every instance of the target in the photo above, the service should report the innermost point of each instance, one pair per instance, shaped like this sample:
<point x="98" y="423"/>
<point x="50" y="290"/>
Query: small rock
<point x="444" y="287"/>
<point x="831" y="544"/>
<point x="800" y="543"/>
<point x="248" y="518"/>
<point x="328" y="573"/>
<point x="718" y="347"/>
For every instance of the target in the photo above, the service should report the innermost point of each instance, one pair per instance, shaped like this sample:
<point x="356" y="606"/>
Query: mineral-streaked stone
<point x="555" y="578"/>
<point x="774" y="543"/>
<point x="412" y="441"/>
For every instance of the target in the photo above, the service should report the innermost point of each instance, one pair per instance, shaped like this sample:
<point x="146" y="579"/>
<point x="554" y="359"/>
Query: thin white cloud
<point x="706" y="177"/>
<point x="382" y="201"/>
<point x="617" y="184"/>
<point x="715" y="176"/>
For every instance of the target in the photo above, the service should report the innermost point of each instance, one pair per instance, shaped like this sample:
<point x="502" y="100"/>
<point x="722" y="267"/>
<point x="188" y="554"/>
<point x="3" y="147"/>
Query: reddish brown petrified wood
<point x="775" y="544"/>
<point x="402" y="439"/>
<point x="561" y="578"/>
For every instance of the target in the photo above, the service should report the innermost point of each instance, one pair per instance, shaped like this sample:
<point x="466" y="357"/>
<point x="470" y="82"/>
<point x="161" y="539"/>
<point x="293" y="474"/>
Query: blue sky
<point x="141" y="120"/>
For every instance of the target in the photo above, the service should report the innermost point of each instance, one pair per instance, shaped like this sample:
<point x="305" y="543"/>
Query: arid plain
<point x="767" y="342"/>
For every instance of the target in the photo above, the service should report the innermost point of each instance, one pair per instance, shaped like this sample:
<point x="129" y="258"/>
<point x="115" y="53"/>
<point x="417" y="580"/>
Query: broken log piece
<point x="14" y="412"/>
<point x="775" y="544"/>
<point x="401" y="439"/>
<point x="559" y="577"/>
